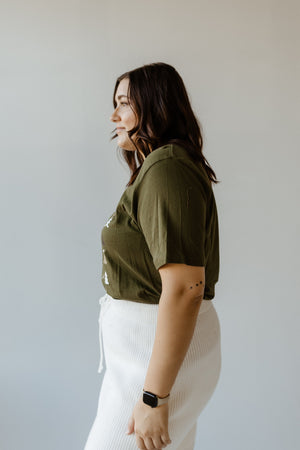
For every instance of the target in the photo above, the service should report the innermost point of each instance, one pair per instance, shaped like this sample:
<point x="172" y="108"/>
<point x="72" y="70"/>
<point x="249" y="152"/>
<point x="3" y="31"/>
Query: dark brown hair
<point x="159" y="99"/>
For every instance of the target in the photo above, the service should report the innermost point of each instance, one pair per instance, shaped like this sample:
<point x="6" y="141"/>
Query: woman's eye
<point x="121" y="103"/>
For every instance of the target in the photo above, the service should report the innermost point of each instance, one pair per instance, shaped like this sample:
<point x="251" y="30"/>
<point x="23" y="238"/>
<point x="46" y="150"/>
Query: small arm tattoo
<point x="197" y="284"/>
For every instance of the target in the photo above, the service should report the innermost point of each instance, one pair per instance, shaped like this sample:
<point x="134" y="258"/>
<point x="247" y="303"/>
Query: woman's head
<point x="156" y="111"/>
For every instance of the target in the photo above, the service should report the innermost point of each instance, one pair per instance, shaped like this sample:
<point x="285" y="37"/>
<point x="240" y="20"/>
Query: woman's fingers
<point x="140" y="443"/>
<point x="165" y="438"/>
<point x="150" y="444"/>
<point x="153" y="443"/>
<point x="158" y="442"/>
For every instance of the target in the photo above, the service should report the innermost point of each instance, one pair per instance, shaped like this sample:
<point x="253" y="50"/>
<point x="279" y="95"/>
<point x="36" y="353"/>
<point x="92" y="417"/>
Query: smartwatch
<point x="153" y="400"/>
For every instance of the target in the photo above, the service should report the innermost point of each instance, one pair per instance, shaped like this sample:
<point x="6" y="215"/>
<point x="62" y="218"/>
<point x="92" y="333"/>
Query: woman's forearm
<point x="176" y="322"/>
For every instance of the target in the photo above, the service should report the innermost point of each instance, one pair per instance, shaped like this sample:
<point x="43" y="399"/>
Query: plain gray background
<point x="61" y="179"/>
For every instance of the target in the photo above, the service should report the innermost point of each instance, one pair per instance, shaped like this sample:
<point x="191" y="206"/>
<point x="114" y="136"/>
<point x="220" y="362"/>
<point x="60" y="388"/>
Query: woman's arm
<point x="181" y="297"/>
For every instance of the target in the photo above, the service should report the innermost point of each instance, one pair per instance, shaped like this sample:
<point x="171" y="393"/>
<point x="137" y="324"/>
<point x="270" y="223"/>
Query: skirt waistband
<point x="106" y="299"/>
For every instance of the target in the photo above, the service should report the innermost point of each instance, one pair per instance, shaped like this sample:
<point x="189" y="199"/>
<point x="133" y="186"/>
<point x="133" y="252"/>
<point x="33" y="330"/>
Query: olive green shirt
<point x="168" y="215"/>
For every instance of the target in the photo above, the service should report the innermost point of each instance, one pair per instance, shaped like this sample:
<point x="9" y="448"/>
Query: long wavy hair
<point x="158" y="97"/>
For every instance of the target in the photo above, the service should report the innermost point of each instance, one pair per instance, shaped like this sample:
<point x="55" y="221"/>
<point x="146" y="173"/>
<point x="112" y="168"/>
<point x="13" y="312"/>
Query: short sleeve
<point x="171" y="213"/>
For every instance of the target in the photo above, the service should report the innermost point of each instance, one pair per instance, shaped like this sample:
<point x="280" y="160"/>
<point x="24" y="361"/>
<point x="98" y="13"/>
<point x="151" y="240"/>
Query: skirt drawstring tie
<point x="104" y="301"/>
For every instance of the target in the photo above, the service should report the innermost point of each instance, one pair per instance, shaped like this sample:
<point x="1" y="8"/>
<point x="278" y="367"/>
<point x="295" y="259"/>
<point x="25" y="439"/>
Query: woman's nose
<point x="113" y="117"/>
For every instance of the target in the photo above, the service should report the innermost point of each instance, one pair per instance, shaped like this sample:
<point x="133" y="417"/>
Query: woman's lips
<point x="120" y="129"/>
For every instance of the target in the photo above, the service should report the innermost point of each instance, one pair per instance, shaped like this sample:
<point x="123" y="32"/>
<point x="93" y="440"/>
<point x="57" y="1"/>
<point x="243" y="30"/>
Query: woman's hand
<point x="150" y="426"/>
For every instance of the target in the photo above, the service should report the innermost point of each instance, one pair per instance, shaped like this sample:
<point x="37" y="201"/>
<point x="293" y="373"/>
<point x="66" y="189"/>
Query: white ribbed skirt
<point x="126" y="338"/>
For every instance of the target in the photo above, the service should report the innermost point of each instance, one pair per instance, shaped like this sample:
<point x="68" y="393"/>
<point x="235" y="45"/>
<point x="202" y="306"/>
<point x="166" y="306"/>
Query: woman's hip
<point x="128" y="333"/>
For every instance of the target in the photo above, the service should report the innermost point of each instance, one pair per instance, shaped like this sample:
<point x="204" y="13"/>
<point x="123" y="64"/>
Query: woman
<point x="158" y="326"/>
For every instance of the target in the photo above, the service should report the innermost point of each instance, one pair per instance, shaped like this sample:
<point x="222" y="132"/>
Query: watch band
<point x="153" y="400"/>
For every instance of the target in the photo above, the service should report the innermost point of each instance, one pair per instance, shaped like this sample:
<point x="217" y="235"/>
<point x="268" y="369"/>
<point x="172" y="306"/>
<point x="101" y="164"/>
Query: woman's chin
<point x="125" y="146"/>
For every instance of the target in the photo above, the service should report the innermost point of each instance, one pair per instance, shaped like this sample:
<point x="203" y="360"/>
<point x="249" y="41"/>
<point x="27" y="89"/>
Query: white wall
<point x="61" y="178"/>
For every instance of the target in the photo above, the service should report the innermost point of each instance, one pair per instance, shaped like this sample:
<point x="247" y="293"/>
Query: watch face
<point x="150" y="399"/>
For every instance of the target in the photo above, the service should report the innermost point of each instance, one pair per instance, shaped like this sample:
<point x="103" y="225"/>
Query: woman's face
<point x="123" y="116"/>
